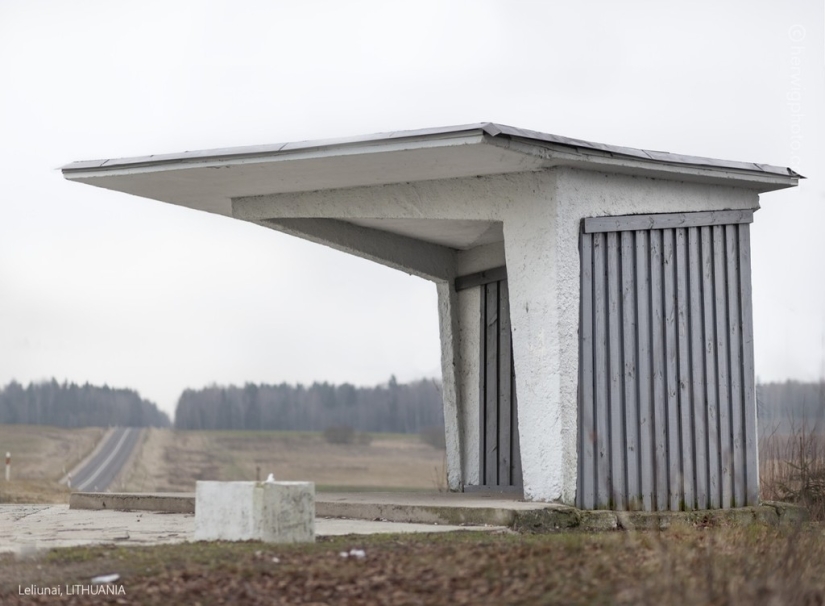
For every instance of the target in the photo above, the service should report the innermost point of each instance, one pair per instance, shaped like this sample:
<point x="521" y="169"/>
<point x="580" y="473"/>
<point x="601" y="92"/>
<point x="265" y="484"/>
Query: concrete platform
<point x="30" y="529"/>
<point x="166" y="502"/>
<point x="469" y="509"/>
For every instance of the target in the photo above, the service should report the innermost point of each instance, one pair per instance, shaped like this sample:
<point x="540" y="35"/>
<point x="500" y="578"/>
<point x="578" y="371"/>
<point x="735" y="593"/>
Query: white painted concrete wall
<point x="541" y="214"/>
<point x="469" y="304"/>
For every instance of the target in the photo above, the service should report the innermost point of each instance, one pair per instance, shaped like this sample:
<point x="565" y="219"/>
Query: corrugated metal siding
<point x="667" y="415"/>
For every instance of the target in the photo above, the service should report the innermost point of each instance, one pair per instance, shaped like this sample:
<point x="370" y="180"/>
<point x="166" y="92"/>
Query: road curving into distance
<point x="101" y="470"/>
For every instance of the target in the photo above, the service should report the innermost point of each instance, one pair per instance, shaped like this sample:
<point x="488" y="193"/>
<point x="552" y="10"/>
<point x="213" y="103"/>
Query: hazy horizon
<point x="102" y="287"/>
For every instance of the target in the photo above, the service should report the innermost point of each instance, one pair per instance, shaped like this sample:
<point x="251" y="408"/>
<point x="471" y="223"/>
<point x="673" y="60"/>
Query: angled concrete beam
<point x="416" y="257"/>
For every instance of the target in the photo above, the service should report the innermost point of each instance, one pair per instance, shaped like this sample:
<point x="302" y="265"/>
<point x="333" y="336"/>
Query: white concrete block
<point x="274" y="512"/>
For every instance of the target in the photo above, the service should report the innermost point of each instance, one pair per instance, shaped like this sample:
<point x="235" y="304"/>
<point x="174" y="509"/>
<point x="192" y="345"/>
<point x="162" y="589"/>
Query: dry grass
<point x="172" y="461"/>
<point x="792" y="468"/>
<point x="34" y="491"/>
<point x="40" y="456"/>
<point x="747" y="566"/>
<point x="40" y="452"/>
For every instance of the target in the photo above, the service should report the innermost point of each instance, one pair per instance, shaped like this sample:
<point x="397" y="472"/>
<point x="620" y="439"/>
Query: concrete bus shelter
<point x="594" y="301"/>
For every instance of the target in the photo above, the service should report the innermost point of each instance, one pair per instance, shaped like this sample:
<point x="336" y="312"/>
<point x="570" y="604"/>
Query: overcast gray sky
<point x="108" y="288"/>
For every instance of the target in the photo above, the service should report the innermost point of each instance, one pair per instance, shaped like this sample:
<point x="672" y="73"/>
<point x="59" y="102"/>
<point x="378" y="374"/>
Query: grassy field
<point x="41" y="455"/>
<point x="755" y="565"/>
<point x="172" y="461"/>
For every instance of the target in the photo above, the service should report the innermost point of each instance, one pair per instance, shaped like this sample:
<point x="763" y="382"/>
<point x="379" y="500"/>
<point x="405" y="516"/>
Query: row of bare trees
<point x="407" y="408"/>
<point x="391" y="407"/>
<point x="72" y="405"/>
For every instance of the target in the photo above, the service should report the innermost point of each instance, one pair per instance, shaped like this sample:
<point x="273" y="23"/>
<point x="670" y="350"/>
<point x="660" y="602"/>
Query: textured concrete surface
<point x="450" y="337"/>
<point x="26" y="529"/>
<point x="168" y="502"/>
<point x="403" y="507"/>
<point x="433" y="508"/>
<point x="477" y="510"/>
<point x="273" y="512"/>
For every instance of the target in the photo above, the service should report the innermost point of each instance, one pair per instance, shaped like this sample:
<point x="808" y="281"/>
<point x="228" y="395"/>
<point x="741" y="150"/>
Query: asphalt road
<point x="99" y="473"/>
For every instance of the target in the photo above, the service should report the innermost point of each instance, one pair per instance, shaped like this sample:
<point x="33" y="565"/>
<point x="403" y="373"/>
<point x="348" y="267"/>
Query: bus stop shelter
<point x="594" y="300"/>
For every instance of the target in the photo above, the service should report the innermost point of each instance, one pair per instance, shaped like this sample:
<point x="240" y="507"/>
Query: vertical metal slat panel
<point x="586" y="495"/>
<point x="735" y="339"/>
<point x="697" y="361"/>
<point x="618" y="488"/>
<point x="644" y="369"/>
<point x="499" y="456"/>
<point x="657" y="318"/>
<point x="709" y="334"/>
<point x="504" y="387"/>
<point x="748" y="388"/>
<point x="491" y="395"/>
<point x="600" y="396"/>
<point x="684" y="383"/>
<point x="629" y="364"/>
<point x="667" y="410"/>
<point x="722" y="362"/>
<point x="674" y="451"/>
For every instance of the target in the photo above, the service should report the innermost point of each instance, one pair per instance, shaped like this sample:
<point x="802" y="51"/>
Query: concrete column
<point x="547" y="422"/>
<point x="448" y="322"/>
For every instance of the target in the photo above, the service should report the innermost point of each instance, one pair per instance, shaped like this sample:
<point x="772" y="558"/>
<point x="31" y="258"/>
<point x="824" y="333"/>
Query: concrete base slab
<point x="413" y="508"/>
<point x="167" y="502"/>
<point x="28" y="530"/>
<point x="471" y="509"/>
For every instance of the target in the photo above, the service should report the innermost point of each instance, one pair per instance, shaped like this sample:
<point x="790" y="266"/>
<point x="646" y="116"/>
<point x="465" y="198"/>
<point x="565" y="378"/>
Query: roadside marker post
<point x="8" y="466"/>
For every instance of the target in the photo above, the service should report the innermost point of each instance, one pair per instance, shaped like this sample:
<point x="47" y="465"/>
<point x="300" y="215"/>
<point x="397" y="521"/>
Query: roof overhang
<point x="208" y="180"/>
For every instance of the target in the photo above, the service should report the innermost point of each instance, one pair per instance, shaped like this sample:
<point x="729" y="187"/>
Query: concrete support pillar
<point x="547" y="423"/>
<point x="448" y="321"/>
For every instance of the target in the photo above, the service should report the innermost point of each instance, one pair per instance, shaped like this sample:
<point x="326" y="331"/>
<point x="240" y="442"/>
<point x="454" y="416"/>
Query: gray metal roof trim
<point x="656" y="156"/>
<point x="250" y="151"/>
<point x="491" y="129"/>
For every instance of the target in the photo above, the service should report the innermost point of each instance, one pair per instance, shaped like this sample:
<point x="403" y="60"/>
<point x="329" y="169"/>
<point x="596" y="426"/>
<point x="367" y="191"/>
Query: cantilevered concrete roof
<point x="209" y="179"/>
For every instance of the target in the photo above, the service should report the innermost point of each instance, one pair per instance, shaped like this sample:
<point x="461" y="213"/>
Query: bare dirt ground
<point x="172" y="461"/>
<point x="40" y="456"/>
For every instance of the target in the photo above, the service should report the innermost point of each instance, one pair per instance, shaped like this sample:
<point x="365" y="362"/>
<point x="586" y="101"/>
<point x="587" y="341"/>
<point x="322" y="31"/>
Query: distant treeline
<point x="71" y="405"/>
<point x="394" y="407"/>
<point x="789" y="406"/>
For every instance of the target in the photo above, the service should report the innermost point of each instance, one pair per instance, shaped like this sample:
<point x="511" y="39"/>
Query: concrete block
<point x="274" y="512"/>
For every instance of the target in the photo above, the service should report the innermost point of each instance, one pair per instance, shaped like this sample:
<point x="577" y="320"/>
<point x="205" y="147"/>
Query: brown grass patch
<point x="172" y="461"/>
<point x="792" y="468"/>
<point x="40" y="456"/>
<point x="34" y="491"/>
<point x="41" y="452"/>
<point x="755" y="565"/>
